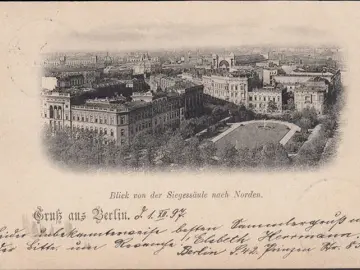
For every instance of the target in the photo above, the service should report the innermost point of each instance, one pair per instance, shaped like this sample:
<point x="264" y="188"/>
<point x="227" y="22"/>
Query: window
<point x="100" y="120"/>
<point x="122" y="120"/>
<point x="250" y="98"/>
<point x="96" y="120"/>
<point x="66" y="117"/>
<point x="111" y="133"/>
<point x="122" y="141"/>
<point x="82" y="118"/>
<point x="122" y="132"/>
<point x="91" y="118"/>
<point x="105" y="131"/>
<point x="105" y="120"/>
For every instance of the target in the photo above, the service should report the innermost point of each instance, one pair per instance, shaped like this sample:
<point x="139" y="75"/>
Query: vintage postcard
<point x="179" y="135"/>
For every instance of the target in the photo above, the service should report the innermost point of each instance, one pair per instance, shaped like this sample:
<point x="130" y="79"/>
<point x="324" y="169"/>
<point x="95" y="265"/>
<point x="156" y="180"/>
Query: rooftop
<point x="248" y="59"/>
<point x="111" y="104"/>
<point x="298" y="73"/>
<point x="267" y="89"/>
<point x="70" y="69"/>
<point x="304" y="88"/>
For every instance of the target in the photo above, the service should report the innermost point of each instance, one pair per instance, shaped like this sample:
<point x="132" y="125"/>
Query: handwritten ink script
<point x="168" y="230"/>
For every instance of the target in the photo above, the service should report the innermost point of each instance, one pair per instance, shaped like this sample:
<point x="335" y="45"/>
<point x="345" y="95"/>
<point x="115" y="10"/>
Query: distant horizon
<point x="192" y="48"/>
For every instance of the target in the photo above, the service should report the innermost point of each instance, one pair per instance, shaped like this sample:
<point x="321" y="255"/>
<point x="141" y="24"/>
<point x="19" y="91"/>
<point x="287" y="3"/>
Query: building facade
<point x="307" y="98"/>
<point x="266" y="100"/>
<point x="163" y="82"/>
<point x="71" y="61"/>
<point x="232" y="89"/>
<point x="71" y="81"/>
<point x="301" y="77"/>
<point x="114" y="118"/>
<point x="90" y="75"/>
<point x="268" y="75"/>
<point x="226" y="61"/>
<point x="192" y="97"/>
<point x="311" y="94"/>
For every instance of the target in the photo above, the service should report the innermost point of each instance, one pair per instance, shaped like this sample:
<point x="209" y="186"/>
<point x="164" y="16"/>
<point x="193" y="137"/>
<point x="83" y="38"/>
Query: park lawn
<point x="251" y="135"/>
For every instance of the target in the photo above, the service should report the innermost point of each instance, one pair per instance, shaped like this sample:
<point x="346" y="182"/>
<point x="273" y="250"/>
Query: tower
<point x="215" y="61"/>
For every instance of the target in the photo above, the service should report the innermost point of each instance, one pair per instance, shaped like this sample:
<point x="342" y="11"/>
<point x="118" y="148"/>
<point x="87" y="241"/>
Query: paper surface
<point x="312" y="215"/>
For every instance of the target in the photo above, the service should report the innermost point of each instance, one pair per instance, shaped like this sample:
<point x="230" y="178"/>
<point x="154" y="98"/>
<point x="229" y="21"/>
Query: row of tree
<point x="85" y="150"/>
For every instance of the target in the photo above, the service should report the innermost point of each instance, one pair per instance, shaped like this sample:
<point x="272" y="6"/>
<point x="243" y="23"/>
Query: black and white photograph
<point x="160" y="97"/>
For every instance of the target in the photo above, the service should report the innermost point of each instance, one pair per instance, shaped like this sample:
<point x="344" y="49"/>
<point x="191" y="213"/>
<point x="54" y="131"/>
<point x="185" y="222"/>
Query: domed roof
<point x="107" y="59"/>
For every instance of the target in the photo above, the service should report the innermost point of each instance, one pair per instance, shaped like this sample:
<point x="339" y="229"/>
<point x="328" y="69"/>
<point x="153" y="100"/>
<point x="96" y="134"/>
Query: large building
<point x="230" y="61"/>
<point x="311" y="95"/>
<point x="266" y="100"/>
<point x="163" y="82"/>
<point x="268" y="75"/>
<point x="141" y="57"/>
<point x="232" y="89"/>
<point x="108" y="110"/>
<point x="115" y="118"/>
<point x="90" y="74"/>
<point x="301" y="77"/>
<point x="71" y="61"/>
<point x="223" y="61"/>
<point x="50" y="83"/>
<point x="193" y="97"/>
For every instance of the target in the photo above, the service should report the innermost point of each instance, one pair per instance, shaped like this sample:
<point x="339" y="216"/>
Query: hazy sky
<point x="124" y="26"/>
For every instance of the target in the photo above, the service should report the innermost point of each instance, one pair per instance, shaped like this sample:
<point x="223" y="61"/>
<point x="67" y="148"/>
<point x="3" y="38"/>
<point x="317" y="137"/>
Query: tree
<point x="187" y="128"/>
<point x="305" y="123"/>
<point x="290" y="104"/>
<point x="311" y="114"/>
<point x="229" y="156"/>
<point x="245" y="157"/>
<point x="272" y="107"/>
<point x="310" y="153"/>
<point x="273" y="155"/>
<point x="218" y="112"/>
<point x="208" y="152"/>
<point x="192" y="153"/>
<point x="122" y="155"/>
<point x="151" y="149"/>
<point x="135" y="156"/>
<point x="173" y="152"/>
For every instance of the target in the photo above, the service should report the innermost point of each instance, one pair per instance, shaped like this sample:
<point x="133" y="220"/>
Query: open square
<point x="253" y="134"/>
